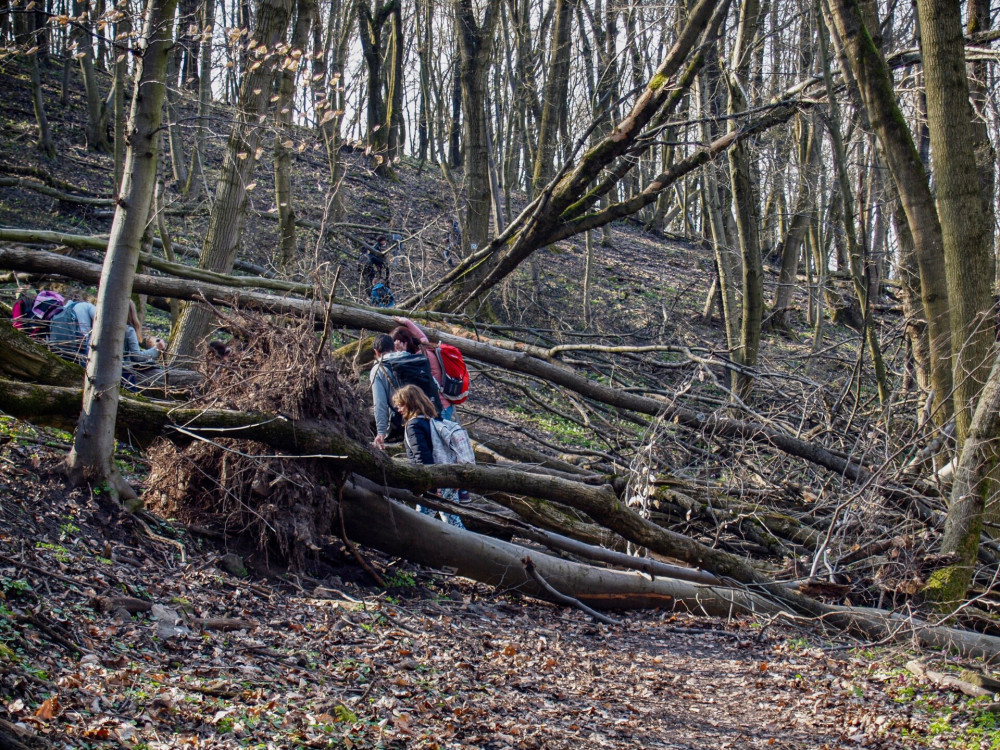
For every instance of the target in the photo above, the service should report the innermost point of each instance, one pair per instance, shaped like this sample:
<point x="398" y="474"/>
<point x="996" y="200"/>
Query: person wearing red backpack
<point x="453" y="387"/>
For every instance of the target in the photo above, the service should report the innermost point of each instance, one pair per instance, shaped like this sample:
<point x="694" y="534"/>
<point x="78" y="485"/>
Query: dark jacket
<point x="418" y="440"/>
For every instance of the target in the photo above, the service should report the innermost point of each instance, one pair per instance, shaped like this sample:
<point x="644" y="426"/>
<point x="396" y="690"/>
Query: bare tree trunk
<point x="854" y="251"/>
<point x="44" y="142"/>
<point x="948" y="586"/>
<point x="978" y="77"/>
<point x="192" y="189"/>
<point x="97" y="115"/>
<point x="178" y="162"/>
<point x="329" y="59"/>
<point x="394" y="116"/>
<point x="370" y="27"/>
<point x="790" y="246"/>
<point x="876" y="90"/>
<point x="305" y="10"/>
<point x="225" y="228"/>
<point x="476" y="48"/>
<point x="745" y="204"/>
<point x="554" y="98"/>
<point x="123" y="28"/>
<point x="968" y="250"/>
<point x="90" y="459"/>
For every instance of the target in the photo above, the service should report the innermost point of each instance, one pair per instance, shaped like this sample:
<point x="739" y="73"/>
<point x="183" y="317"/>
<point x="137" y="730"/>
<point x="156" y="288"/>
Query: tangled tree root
<point x="283" y="506"/>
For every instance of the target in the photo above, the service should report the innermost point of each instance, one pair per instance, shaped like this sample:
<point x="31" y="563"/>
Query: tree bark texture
<point x="876" y="89"/>
<point x="287" y="250"/>
<point x="967" y="237"/>
<point x="476" y="54"/>
<point x="225" y="228"/>
<point x="554" y="97"/>
<point x="90" y="459"/>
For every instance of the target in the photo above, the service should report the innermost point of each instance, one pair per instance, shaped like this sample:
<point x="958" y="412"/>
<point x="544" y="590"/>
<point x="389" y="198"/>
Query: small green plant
<point x="225" y="725"/>
<point x="344" y="714"/>
<point x="61" y="553"/>
<point x="14" y="586"/>
<point x="67" y="530"/>
<point x="400" y="580"/>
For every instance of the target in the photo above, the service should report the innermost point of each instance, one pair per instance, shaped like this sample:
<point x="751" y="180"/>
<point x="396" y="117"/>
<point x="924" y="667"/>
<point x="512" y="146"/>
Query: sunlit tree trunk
<point x="554" y="97"/>
<point x="476" y="49"/>
<point x="192" y="190"/>
<point x="876" y="90"/>
<point x="968" y="250"/>
<point x="746" y="203"/>
<point x="97" y="114"/>
<point x="283" y="133"/>
<point x="91" y="458"/>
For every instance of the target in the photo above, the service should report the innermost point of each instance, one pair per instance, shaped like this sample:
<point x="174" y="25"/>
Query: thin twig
<point x="529" y="567"/>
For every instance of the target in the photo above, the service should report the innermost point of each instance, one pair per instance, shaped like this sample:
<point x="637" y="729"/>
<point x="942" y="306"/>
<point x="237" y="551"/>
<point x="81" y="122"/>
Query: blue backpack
<point x="382" y="296"/>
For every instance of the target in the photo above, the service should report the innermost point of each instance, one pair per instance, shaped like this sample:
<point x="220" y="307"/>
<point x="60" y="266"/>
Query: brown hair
<point x="412" y="402"/>
<point x="404" y="334"/>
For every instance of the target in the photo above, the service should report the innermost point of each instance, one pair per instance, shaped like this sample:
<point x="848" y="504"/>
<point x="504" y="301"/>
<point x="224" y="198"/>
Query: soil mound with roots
<point x="283" y="506"/>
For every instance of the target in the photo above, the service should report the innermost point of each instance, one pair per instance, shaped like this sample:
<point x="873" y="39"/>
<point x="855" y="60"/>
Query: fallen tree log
<point x="709" y="424"/>
<point x="47" y="404"/>
<point x="144" y="421"/>
<point x="398" y="530"/>
<point x="100" y="242"/>
<point x="38" y="187"/>
<point x="393" y="528"/>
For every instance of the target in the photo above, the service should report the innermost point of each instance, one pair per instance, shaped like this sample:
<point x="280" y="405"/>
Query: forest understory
<point x="655" y="556"/>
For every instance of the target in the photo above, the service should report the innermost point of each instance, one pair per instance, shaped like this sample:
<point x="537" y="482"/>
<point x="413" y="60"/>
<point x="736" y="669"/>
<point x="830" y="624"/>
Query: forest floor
<point x="328" y="660"/>
<point x="282" y="660"/>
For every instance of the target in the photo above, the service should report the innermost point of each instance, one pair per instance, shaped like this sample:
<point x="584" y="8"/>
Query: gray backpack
<point x="64" y="331"/>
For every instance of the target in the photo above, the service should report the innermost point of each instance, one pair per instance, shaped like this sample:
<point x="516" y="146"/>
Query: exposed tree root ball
<point x="284" y="506"/>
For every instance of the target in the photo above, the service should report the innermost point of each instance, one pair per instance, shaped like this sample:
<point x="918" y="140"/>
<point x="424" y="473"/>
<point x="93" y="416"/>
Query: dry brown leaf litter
<point x="441" y="664"/>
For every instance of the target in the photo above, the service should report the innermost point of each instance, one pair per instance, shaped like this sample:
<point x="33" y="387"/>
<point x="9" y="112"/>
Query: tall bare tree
<point x="225" y="227"/>
<point x="968" y="250"/>
<point x="304" y="12"/>
<point x="91" y="458"/>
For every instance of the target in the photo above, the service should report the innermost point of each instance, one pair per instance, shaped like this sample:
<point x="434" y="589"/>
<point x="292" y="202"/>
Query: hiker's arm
<point x="136" y="354"/>
<point x="414" y="329"/>
<point x="84" y="318"/>
<point x="380" y="399"/>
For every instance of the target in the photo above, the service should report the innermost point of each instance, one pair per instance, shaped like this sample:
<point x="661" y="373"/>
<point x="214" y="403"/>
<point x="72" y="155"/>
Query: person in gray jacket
<point x="385" y="351"/>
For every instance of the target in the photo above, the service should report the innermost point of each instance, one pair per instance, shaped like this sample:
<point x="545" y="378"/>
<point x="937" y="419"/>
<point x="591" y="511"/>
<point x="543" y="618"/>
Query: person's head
<point x="383" y="344"/>
<point x="381" y="242"/>
<point x="412" y="402"/>
<point x="404" y="340"/>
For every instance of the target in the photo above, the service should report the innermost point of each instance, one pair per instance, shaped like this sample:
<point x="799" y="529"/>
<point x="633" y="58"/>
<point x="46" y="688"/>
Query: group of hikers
<point x="415" y="384"/>
<point x="415" y="387"/>
<point x="66" y="326"/>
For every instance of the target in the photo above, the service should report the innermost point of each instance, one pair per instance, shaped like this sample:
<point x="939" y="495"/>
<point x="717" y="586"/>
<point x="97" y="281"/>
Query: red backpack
<point x="454" y="374"/>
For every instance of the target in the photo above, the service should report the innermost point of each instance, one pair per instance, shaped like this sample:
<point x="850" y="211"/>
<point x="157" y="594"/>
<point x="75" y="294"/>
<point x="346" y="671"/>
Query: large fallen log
<point x="100" y="242"/>
<point x="398" y="530"/>
<point x="709" y="424"/>
<point x="51" y="405"/>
